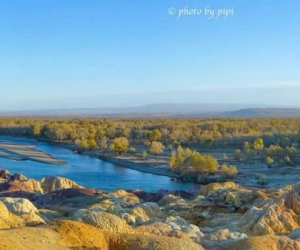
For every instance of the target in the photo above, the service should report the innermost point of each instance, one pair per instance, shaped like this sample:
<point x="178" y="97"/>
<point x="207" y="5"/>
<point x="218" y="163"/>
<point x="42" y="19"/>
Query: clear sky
<point x="99" y="53"/>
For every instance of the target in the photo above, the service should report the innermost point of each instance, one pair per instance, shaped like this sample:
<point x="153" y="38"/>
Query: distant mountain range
<point x="168" y="110"/>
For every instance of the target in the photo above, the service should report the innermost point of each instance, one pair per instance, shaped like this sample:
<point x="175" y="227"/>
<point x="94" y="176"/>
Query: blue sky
<point x="99" y="53"/>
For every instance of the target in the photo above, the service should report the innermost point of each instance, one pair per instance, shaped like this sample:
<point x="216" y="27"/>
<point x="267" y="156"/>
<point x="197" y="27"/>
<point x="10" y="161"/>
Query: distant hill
<point x="263" y="112"/>
<point x="167" y="110"/>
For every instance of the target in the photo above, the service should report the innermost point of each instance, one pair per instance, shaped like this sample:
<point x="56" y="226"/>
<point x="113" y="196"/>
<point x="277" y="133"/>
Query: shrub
<point x="262" y="180"/>
<point x="229" y="171"/>
<point x="144" y="154"/>
<point x="131" y="150"/>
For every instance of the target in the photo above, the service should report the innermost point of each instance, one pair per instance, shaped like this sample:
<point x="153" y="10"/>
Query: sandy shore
<point x="26" y="152"/>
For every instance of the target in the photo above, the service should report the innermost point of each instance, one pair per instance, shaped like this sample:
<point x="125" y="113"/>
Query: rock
<point x="192" y="231"/>
<point x="161" y="229"/>
<point x="119" y="193"/>
<point x="292" y="199"/>
<point x="171" y="200"/>
<point x="225" y="234"/>
<point x="7" y="219"/>
<point x="52" y="184"/>
<point x="221" y="221"/>
<point x="148" y="197"/>
<point x="18" y="177"/>
<point x="65" y="197"/>
<point x="149" y="242"/>
<point x="65" y="235"/>
<point x="205" y="190"/>
<point x="6" y="175"/>
<point x="264" y="243"/>
<point x="21" y="189"/>
<point x="146" y="211"/>
<point x="105" y="221"/>
<point x="130" y="219"/>
<point x="273" y="218"/>
<point x="24" y="209"/>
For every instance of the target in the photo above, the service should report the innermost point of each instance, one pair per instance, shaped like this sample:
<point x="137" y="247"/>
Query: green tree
<point x="120" y="145"/>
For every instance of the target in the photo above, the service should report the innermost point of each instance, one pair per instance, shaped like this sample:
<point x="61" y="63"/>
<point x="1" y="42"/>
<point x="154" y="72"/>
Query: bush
<point x="269" y="161"/>
<point x="144" y="154"/>
<point x="131" y="150"/>
<point x="229" y="171"/>
<point x="262" y="180"/>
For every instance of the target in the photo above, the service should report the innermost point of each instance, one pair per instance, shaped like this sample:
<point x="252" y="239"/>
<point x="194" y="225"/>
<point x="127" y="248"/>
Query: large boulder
<point x="170" y="200"/>
<point x="205" y="190"/>
<point x="7" y="219"/>
<point x="104" y="221"/>
<point x="146" y="211"/>
<point x="52" y="184"/>
<point x="24" y="209"/>
<point x="264" y="243"/>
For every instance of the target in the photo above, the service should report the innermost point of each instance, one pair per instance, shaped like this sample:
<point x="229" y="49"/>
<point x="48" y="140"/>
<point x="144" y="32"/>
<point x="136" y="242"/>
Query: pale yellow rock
<point x="216" y="186"/>
<point x="51" y="184"/>
<point x="76" y="235"/>
<point x="267" y="242"/>
<point x="24" y="209"/>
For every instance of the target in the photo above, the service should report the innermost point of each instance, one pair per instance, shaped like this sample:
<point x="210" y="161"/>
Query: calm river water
<point x="86" y="171"/>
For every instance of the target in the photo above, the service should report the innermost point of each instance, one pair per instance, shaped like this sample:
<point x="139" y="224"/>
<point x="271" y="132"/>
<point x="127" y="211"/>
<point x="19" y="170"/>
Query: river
<point x="87" y="171"/>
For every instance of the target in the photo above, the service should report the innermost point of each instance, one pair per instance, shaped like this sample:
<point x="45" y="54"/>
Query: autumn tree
<point x="119" y="145"/>
<point x="258" y="145"/>
<point x="103" y="143"/>
<point x="156" y="148"/>
<point x="269" y="161"/>
<point x="84" y="144"/>
<point x="92" y="144"/>
<point x="155" y="135"/>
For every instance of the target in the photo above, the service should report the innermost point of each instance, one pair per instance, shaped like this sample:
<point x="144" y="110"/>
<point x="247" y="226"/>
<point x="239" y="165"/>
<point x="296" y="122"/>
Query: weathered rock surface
<point x="105" y="221"/>
<point x="276" y="217"/>
<point x="52" y="184"/>
<point x="76" y="235"/>
<point x="265" y="243"/>
<point x="24" y="209"/>
<point x="205" y="190"/>
<point x="7" y="219"/>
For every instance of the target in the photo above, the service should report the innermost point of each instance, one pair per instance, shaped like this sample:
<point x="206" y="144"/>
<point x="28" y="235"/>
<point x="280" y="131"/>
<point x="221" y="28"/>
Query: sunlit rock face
<point x="56" y="183"/>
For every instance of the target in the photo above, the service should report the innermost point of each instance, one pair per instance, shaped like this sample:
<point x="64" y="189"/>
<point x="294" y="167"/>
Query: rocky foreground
<point x="56" y="213"/>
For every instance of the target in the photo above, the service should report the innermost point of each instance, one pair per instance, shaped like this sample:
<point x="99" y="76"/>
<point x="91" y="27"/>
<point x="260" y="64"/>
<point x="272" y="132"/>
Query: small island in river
<point x="27" y="153"/>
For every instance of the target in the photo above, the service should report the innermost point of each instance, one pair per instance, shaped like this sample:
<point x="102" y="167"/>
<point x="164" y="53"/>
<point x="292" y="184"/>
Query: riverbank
<point x="134" y="164"/>
<point x="138" y="165"/>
